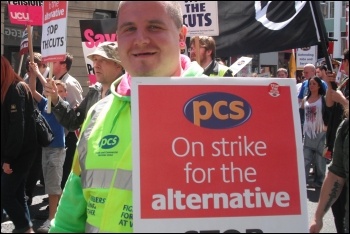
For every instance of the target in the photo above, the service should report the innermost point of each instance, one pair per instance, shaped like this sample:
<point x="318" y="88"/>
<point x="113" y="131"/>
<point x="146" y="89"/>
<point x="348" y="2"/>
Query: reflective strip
<point x="91" y="229"/>
<point x="99" y="178"/>
<point x="124" y="179"/>
<point x="82" y="145"/>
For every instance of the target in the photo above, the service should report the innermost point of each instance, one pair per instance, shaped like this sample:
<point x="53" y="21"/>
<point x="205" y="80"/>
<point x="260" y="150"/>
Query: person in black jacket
<point x="35" y="172"/>
<point x="337" y="101"/>
<point x="107" y="68"/>
<point x="18" y="146"/>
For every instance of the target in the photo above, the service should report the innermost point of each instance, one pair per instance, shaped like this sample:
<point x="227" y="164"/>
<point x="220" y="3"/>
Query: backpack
<point x="44" y="132"/>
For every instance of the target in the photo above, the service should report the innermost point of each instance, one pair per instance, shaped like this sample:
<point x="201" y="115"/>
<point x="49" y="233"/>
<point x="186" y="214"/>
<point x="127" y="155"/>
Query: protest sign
<point x="54" y="32"/>
<point x="239" y="64"/>
<point x="25" y="12"/>
<point x="201" y="17"/>
<point x="93" y="32"/>
<point x="211" y="158"/>
<point x="306" y="55"/>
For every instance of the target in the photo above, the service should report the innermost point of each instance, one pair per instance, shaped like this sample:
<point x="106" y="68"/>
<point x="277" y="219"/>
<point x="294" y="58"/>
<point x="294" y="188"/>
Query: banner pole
<point x="196" y="42"/>
<point x="20" y="65"/>
<point x="30" y="43"/>
<point x="48" y="110"/>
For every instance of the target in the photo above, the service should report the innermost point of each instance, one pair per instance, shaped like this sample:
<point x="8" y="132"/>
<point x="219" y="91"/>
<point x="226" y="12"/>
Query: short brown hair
<point x="37" y="59"/>
<point x="207" y="42"/>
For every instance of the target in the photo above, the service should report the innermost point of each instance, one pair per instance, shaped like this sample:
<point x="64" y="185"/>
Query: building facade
<point x="77" y="10"/>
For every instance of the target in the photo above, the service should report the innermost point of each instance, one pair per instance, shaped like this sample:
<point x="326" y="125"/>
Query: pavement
<point x="38" y="208"/>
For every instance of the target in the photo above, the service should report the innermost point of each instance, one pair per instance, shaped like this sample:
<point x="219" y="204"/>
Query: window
<point x="102" y="14"/>
<point x="327" y="8"/>
<point x="331" y="34"/>
<point x="343" y="8"/>
<point x="331" y="10"/>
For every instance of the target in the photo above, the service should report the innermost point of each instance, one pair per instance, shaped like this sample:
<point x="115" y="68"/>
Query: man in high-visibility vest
<point x="98" y="192"/>
<point x="206" y="54"/>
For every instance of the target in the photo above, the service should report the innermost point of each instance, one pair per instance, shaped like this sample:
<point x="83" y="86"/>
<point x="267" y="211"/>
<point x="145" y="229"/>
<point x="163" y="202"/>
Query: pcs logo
<point x="108" y="141"/>
<point x="217" y="110"/>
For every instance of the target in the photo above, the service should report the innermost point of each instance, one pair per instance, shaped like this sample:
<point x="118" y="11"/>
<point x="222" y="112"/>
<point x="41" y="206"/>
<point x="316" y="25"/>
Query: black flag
<point x="257" y="27"/>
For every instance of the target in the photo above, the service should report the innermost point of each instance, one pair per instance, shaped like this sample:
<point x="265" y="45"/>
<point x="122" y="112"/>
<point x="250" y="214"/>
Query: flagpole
<point x="323" y="40"/>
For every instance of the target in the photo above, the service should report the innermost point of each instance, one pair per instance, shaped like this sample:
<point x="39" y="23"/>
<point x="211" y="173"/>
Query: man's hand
<point x="34" y="69"/>
<point x="50" y="89"/>
<point x="330" y="77"/>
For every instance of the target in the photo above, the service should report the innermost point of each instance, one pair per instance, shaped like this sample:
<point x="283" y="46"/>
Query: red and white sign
<point x="25" y="12"/>
<point x="54" y="31"/>
<point x="24" y="42"/>
<point x="215" y="157"/>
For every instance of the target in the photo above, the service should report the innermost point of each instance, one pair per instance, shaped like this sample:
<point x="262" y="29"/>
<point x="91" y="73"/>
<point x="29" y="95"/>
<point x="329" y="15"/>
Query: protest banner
<point x="24" y="46"/>
<point x="23" y="49"/>
<point x="214" y="159"/>
<point x="239" y="64"/>
<point x="54" y="35"/>
<point x="305" y="56"/>
<point x="93" y="32"/>
<point x="201" y="17"/>
<point x="54" y="32"/>
<point x="25" y="12"/>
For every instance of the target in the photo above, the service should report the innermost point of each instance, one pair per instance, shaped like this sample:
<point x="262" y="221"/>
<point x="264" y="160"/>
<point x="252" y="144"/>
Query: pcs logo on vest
<point x="108" y="141"/>
<point x="217" y="110"/>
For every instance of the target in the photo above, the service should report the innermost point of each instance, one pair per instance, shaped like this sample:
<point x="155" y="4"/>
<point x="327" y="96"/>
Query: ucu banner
<point x="25" y="12"/>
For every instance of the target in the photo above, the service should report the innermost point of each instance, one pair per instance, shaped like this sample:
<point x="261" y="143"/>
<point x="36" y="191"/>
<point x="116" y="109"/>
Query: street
<point x="38" y="208"/>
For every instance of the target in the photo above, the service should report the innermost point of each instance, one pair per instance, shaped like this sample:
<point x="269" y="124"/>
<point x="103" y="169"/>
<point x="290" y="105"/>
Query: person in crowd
<point x="321" y="72"/>
<point x="18" y="146"/>
<point x="337" y="101"/>
<point x="148" y="36"/>
<point x="53" y="156"/>
<point x="254" y="74"/>
<point x="282" y="73"/>
<point x="337" y="177"/>
<point x="74" y="97"/>
<point x="207" y="50"/>
<point x="314" y="131"/>
<point x="107" y="67"/>
<point x="44" y="70"/>
<point x="309" y="71"/>
<point x="35" y="172"/>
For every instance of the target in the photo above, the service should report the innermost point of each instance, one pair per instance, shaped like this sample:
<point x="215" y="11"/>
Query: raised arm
<point x="32" y="81"/>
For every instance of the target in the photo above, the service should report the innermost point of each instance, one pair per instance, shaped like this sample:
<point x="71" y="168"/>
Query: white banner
<point x="201" y="17"/>
<point x="54" y="31"/>
<point x="306" y="55"/>
<point x="239" y="64"/>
